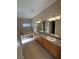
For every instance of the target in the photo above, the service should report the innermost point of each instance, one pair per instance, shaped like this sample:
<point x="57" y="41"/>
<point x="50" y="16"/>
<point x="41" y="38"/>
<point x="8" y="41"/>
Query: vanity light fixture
<point x="52" y="19"/>
<point x="55" y="18"/>
<point x="38" y="21"/>
<point x="58" y="17"/>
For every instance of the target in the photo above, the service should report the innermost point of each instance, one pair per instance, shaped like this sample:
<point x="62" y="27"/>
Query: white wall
<point x="58" y="27"/>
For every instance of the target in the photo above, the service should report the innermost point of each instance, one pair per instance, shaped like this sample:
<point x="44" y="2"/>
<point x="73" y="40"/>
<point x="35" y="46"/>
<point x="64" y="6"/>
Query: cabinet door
<point x="39" y="40"/>
<point x="52" y="48"/>
<point x="59" y="53"/>
<point x="55" y="51"/>
<point x="45" y="44"/>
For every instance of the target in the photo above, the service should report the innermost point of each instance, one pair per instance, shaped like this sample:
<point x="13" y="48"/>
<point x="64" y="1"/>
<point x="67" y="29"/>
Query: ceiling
<point x="30" y="8"/>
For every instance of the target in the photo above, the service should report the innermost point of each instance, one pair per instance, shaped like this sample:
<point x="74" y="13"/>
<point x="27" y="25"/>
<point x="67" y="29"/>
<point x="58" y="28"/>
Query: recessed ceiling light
<point x="32" y="10"/>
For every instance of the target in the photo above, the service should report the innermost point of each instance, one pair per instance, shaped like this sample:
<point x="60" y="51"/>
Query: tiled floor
<point x="33" y="50"/>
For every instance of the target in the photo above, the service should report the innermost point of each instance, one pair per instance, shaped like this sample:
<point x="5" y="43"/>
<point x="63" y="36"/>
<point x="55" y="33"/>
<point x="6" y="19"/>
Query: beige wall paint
<point x="54" y="9"/>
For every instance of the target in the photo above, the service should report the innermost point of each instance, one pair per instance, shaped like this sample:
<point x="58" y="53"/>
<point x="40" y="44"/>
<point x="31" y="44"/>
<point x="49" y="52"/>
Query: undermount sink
<point x="51" y="39"/>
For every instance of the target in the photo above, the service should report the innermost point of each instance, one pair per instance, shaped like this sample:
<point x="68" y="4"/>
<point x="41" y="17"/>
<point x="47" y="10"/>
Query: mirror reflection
<point x="49" y="27"/>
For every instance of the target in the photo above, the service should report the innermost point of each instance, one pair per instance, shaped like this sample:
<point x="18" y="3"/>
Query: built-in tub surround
<point x="27" y="38"/>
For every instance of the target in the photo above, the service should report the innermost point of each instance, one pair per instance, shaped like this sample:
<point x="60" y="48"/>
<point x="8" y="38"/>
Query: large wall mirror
<point x="41" y="26"/>
<point x="38" y="27"/>
<point x="51" y="27"/>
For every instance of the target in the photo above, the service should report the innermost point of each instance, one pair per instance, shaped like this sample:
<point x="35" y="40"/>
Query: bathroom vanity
<point x="48" y="35"/>
<point x="53" y="46"/>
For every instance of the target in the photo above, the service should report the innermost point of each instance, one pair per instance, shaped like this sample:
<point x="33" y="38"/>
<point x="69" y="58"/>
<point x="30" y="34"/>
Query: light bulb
<point x="38" y="21"/>
<point x="52" y="19"/>
<point x="58" y="17"/>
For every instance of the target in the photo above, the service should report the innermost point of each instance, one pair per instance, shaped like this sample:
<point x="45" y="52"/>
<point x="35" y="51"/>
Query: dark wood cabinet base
<point x="50" y="47"/>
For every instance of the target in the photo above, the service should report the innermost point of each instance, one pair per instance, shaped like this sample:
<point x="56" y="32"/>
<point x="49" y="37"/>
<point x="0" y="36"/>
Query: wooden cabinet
<point x="50" y="47"/>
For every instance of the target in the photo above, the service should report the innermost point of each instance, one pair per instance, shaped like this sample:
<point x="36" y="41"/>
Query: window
<point x="26" y="25"/>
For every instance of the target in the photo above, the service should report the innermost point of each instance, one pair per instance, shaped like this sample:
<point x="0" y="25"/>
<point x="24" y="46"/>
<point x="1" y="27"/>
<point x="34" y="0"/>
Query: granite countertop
<point x="57" y="42"/>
